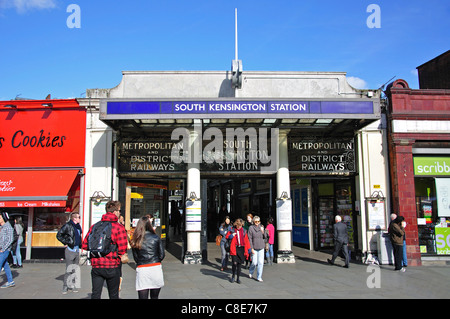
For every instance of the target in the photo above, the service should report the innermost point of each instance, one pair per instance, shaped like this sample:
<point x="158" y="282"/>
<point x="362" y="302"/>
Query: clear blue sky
<point x="40" y="54"/>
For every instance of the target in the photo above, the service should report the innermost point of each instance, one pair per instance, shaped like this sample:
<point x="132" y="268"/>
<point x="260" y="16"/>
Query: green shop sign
<point x="442" y="240"/>
<point x="432" y="166"/>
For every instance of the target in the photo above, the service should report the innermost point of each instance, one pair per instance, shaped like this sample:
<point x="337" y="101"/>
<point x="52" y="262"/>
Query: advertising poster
<point x="97" y="210"/>
<point x="194" y="215"/>
<point x="442" y="240"/>
<point x="443" y="198"/>
<point x="376" y="215"/>
<point x="284" y="214"/>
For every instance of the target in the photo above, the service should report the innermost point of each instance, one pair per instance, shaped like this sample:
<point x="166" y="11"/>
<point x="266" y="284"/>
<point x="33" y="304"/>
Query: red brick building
<point x="419" y="151"/>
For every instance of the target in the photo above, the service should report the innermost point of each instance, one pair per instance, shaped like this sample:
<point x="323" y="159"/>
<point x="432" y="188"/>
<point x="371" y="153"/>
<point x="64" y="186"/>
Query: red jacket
<point x="118" y="237"/>
<point x="234" y="243"/>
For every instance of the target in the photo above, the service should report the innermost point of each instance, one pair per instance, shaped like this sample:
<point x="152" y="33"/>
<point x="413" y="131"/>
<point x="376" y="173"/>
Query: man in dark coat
<point x="70" y="236"/>
<point x="340" y="241"/>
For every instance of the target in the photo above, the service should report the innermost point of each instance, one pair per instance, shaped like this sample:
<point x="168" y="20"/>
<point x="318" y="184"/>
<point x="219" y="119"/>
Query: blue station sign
<point x="117" y="109"/>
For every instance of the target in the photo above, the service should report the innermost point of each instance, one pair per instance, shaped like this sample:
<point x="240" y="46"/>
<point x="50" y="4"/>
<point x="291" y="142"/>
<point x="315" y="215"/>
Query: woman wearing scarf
<point x="239" y="248"/>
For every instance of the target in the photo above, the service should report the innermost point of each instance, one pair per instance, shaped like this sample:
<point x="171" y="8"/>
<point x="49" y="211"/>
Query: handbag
<point x="218" y="239"/>
<point x="124" y="258"/>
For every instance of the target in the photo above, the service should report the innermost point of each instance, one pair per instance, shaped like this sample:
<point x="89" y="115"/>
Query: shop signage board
<point x="42" y="150"/>
<point x="194" y="108"/>
<point x="36" y="203"/>
<point x="321" y="155"/>
<point x="312" y="154"/>
<point x="148" y="155"/>
<point x="431" y="166"/>
<point x="155" y="155"/>
<point x="50" y="137"/>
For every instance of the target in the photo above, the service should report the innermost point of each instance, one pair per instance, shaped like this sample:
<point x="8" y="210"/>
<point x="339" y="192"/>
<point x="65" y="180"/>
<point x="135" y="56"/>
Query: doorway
<point x="147" y="198"/>
<point x="331" y="198"/>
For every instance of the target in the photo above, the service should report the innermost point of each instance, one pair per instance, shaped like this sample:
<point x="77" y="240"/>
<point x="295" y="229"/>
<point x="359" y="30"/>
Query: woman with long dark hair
<point x="148" y="252"/>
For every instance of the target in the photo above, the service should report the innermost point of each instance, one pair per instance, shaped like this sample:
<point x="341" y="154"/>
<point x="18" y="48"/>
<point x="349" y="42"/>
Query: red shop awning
<point x="35" y="188"/>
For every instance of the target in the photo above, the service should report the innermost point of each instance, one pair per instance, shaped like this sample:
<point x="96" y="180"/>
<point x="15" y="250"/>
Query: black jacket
<point x="68" y="236"/>
<point x="340" y="233"/>
<point x="152" y="250"/>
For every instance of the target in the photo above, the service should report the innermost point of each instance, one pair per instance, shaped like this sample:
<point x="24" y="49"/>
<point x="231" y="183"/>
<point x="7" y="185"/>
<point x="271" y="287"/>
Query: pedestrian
<point x="405" y="256"/>
<point x="393" y="217"/>
<point x="17" y="256"/>
<point x="270" y="240"/>
<point x="247" y="224"/>
<point x="107" y="267"/>
<point x="124" y="257"/>
<point x="239" y="248"/>
<point x="222" y="213"/>
<point x="148" y="252"/>
<point x="6" y="240"/>
<point x="397" y="232"/>
<point x="256" y="239"/>
<point x="70" y="236"/>
<point x="224" y="228"/>
<point x="175" y="218"/>
<point x="340" y="241"/>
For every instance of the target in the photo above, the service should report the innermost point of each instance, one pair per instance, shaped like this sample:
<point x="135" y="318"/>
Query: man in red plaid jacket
<point x="108" y="267"/>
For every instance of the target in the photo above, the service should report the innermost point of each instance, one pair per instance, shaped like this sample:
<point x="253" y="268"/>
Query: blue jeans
<point x="4" y="264"/>
<point x="17" y="257"/>
<point x="257" y="261"/>
<point x="225" y="254"/>
<point x="405" y="258"/>
<point x="269" y="253"/>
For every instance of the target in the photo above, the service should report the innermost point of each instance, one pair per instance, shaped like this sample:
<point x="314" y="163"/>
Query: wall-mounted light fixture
<point x="98" y="196"/>
<point x="193" y="197"/>
<point x="284" y="196"/>
<point x="377" y="196"/>
<point x="49" y="105"/>
<point x="10" y="106"/>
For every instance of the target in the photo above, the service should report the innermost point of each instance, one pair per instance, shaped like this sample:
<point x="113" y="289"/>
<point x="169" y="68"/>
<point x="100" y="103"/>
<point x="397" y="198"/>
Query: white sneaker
<point x="403" y="269"/>
<point x="250" y="276"/>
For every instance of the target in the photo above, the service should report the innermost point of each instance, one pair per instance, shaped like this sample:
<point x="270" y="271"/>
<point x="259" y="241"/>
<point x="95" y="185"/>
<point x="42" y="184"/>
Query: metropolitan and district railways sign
<point x="308" y="155"/>
<point x="156" y="156"/>
<point x="322" y="155"/>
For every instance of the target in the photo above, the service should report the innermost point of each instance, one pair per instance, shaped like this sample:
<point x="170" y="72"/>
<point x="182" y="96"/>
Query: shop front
<point x="432" y="193"/>
<point x="258" y="149"/>
<point x="42" y="154"/>
<point x="420" y="160"/>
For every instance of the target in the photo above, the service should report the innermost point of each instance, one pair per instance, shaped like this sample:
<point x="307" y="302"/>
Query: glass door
<point x="148" y="199"/>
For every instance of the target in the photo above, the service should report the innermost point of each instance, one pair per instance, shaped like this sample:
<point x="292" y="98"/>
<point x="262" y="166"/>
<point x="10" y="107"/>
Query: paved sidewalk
<point x="310" y="277"/>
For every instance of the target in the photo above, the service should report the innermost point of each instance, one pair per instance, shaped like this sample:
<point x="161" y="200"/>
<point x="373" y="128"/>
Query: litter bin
<point x="385" y="249"/>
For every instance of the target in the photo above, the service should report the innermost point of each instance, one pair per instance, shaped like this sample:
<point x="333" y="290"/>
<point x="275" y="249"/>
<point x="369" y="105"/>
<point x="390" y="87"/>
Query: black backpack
<point x="99" y="241"/>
